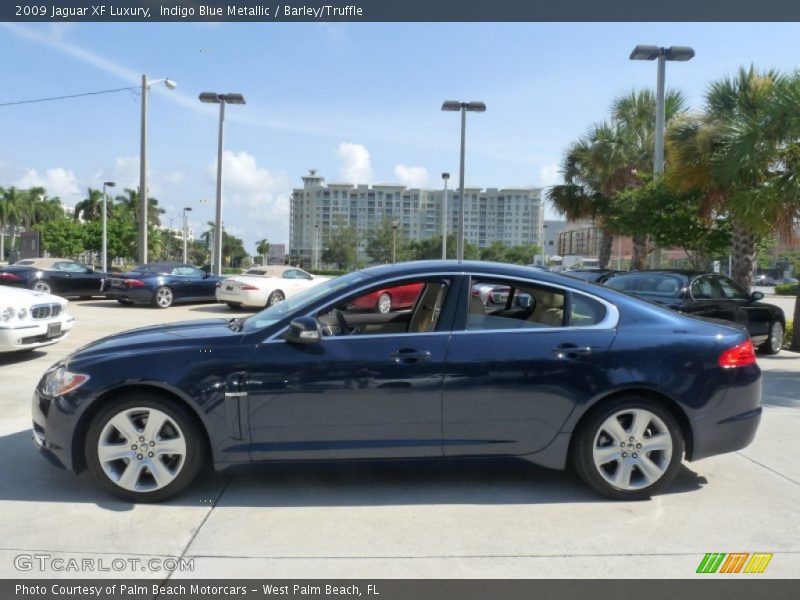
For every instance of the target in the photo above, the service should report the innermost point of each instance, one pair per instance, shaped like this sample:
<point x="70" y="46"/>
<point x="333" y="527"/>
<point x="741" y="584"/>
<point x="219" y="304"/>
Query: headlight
<point x="22" y="313"/>
<point x="61" y="381"/>
<point x="7" y="314"/>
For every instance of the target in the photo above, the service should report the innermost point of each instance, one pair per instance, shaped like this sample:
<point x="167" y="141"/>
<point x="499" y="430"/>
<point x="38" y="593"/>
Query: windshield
<point x="277" y="312"/>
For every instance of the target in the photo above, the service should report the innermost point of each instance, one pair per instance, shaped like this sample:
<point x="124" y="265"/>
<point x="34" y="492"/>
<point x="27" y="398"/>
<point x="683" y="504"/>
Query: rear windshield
<point x="647" y="285"/>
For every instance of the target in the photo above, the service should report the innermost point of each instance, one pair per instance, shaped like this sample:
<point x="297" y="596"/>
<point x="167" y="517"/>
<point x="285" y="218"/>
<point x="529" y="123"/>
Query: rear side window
<point x="647" y="284"/>
<point x="586" y="311"/>
<point x="501" y="304"/>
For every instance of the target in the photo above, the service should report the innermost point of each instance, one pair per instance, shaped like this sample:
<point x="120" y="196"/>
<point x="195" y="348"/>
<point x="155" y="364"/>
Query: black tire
<point x="163" y="297"/>
<point x="590" y="429"/>
<point x="774" y="341"/>
<point x="234" y="305"/>
<point x="196" y="449"/>
<point x="275" y="297"/>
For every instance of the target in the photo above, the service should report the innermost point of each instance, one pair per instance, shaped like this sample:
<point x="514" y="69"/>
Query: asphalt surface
<point x="476" y="519"/>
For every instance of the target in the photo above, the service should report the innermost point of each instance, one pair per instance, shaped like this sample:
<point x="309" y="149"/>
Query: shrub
<point x="787" y="338"/>
<point x="787" y="289"/>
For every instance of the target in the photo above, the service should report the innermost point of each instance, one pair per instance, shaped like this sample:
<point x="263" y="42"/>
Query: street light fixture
<point x="170" y="85"/>
<point x="445" y="177"/>
<point x="104" y="259"/>
<point x="464" y="107"/>
<point x="186" y="209"/>
<point x="222" y="100"/>
<point x="673" y="53"/>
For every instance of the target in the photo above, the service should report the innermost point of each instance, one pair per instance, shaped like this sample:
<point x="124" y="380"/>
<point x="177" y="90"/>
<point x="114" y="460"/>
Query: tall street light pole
<point x="104" y="259"/>
<point x="171" y="85"/>
<point x="453" y="106"/>
<point x="445" y="177"/>
<point x="186" y="209"/>
<point x="673" y="53"/>
<point x="394" y="242"/>
<point x="222" y="100"/>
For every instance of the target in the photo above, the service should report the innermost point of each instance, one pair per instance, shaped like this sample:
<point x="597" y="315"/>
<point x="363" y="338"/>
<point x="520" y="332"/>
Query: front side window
<point x="730" y="290"/>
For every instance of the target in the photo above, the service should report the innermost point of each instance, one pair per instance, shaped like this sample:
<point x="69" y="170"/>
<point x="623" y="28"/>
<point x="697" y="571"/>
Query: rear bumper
<point x="732" y="423"/>
<point x="138" y="295"/>
<point x="243" y="297"/>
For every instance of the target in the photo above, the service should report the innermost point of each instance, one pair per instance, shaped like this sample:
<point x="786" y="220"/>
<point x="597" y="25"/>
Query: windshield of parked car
<point x="277" y="312"/>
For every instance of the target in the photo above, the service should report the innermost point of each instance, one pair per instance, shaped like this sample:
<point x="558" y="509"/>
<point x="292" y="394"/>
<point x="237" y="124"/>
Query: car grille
<point x="45" y="311"/>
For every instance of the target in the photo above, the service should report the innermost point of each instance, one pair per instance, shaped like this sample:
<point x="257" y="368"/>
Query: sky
<point x="359" y="102"/>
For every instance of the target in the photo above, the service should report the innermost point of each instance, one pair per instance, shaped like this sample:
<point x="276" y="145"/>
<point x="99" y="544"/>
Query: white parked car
<point x="264" y="286"/>
<point x="31" y="319"/>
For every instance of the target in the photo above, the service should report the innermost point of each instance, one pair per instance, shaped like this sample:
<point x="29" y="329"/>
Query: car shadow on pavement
<point x="13" y="358"/>
<point x="27" y="477"/>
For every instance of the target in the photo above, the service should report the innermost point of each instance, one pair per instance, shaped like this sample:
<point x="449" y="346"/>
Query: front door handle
<point x="570" y="350"/>
<point x="409" y="356"/>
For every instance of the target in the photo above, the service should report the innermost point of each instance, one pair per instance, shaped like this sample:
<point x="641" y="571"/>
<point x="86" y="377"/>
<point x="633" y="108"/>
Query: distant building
<point x="277" y="254"/>
<point x="513" y="216"/>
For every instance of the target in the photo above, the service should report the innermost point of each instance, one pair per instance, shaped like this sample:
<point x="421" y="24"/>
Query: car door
<point x="515" y="373"/>
<point x="756" y="317"/>
<point x="62" y="279"/>
<point x="366" y="395"/>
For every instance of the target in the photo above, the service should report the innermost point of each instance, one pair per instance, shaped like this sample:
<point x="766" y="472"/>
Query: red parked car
<point x="385" y="300"/>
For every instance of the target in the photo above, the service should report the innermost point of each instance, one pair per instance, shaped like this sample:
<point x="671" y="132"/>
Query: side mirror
<point x="304" y="330"/>
<point x="756" y="296"/>
<point x="89" y="270"/>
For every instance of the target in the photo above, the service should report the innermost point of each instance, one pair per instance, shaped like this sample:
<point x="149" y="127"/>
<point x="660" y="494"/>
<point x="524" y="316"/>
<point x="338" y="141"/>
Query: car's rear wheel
<point x="42" y="286"/>
<point x="275" y="297"/>
<point x="630" y="449"/>
<point x="163" y="297"/>
<point x="143" y="448"/>
<point x="774" y="342"/>
<point x="384" y="304"/>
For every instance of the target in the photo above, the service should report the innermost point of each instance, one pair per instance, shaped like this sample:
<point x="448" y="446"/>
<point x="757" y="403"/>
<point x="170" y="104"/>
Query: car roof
<point x="674" y="272"/>
<point x="41" y="263"/>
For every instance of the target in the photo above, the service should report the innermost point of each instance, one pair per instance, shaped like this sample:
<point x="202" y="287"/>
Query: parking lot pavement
<point x="413" y="519"/>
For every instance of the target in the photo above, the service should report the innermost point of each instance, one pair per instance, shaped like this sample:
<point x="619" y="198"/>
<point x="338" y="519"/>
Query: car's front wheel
<point x="774" y="342"/>
<point x="630" y="449"/>
<point x="163" y="297"/>
<point x="144" y="448"/>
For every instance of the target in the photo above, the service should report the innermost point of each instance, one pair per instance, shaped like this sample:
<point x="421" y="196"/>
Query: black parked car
<point x="590" y="274"/>
<point x="708" y="295"/>
<point x="59" y="276"/>
<point x="162" y="285"/>
<point x="623" y="389"/>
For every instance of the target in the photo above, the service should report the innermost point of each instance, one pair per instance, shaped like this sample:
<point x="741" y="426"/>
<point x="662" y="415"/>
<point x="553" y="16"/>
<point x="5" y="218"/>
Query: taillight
<point x="8" y="277"/>
<point x="133" y="283"/>
<point x="738" y="356"/>
<point x="247" y="286"/>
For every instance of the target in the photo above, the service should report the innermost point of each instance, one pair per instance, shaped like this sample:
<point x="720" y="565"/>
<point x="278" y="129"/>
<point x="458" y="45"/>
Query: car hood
<point x="21" y="296"/>
<point x="157" y="337"/>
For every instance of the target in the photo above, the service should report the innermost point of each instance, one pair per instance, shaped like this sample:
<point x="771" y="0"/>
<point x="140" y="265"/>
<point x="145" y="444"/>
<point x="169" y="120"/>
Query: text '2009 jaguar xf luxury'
<point x="578" y="374"/>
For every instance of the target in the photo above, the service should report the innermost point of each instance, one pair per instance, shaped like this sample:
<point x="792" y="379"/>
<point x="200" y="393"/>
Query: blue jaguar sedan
<point x="162" y="285"/>
<point x="617" y="388"/>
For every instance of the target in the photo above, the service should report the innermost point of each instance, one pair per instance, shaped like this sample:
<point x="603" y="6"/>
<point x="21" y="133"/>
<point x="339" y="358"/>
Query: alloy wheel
<point x="164" y="297"/>
<point x="384" y="303"/>
<point x="141" y="449"/>
<point x="42" y="286"/>
<point x="632" y="449"/>
<point x="275" y="297"/>
<point x="776" y="337"/>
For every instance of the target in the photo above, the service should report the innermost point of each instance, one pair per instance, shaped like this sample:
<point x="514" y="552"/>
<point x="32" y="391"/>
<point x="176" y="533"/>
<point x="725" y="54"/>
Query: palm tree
<point x="730" y="153"/>
<point x="262" y="247"/>
<point x="91" y="207"/>
<point x="11" y="211"/>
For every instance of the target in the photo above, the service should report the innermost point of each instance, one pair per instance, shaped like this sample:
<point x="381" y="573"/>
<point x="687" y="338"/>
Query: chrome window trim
<point x="610" y="321"/>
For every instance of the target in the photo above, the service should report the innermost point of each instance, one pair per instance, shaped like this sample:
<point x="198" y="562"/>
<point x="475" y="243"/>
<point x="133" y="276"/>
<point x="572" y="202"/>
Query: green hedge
<point x="787" y="289"/>
<point x="787" y="338"/>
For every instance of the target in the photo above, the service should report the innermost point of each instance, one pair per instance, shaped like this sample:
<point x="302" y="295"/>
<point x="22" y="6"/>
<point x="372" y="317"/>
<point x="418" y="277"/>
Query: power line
<point x="133" y="87"/>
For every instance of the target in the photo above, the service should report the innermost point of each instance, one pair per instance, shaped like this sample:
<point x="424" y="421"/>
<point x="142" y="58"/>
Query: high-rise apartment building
<point x="513" y="216"/>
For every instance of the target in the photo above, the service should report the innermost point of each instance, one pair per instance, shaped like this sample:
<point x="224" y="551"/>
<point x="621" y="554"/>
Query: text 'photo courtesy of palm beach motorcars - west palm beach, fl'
<point x="515" y="315"/>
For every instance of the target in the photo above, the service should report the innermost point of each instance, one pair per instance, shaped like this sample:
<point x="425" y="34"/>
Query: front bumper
<point x="30" y="335"/>
<point x="52" y="430"/>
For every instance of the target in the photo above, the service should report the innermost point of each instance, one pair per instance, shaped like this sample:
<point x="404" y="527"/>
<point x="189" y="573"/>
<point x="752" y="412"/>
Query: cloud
<point x="256" y="199"/>
<point x="57" y="182"/>
<point x="413" y="177"/>
<point x="354" y="163"/>
<point x="124" y="173"/>
<point x="549" y="175"/>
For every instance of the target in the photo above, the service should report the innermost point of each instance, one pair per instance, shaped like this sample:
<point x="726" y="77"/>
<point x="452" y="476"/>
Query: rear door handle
<point x="409" y="355"/>
<point x="568" y="350"/>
